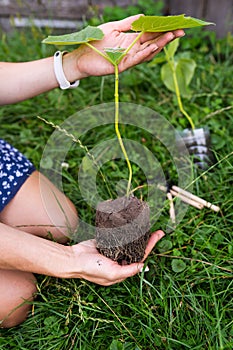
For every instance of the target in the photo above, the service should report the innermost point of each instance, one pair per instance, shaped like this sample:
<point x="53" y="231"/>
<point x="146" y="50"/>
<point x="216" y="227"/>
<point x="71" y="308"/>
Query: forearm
<point x="25" y="252"/>
<point x="20" y="81"/>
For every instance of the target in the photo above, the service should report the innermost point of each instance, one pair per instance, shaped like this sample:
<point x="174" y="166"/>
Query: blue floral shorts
<point x="14" y="171"/>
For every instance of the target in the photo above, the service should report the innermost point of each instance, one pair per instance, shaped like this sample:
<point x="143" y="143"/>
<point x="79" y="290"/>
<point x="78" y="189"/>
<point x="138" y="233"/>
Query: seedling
<point x="113" y="246"/>
<point x="176" y="74"/>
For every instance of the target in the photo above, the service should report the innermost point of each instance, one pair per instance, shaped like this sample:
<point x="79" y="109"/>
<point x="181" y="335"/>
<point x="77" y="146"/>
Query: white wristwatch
<point x="59" y="73"/>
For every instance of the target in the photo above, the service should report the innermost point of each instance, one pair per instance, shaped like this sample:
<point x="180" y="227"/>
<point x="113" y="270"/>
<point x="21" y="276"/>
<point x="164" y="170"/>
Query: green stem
<point x="99" y="52"/>
<point x="117" y="111"/>
<point x="130" y="46"/>
<point x="115" y="64"/>
<point x="117" y="128"/>
<point x="171" y="62"/>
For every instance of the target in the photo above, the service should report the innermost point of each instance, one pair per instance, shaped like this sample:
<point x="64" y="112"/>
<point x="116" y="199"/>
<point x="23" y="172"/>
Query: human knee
<point x="66" y="225"/>
<point x="59" y="210"/>
<point x="15" y="317"/>
<point x="41" y="209"/>
<point x="18" y="304"/>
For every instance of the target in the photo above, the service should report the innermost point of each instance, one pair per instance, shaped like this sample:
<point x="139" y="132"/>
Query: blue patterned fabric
<point x="14" y="171"/>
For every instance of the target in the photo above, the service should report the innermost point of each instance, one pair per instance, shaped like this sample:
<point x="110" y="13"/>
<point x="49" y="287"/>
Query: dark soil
<point x="123" y="229"/>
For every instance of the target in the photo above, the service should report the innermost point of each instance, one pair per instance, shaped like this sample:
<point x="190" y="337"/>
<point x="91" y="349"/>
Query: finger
<point x="119" y="274"/>
<point x="179" y="33"/>
<point x="148" y="43"/>
<point x="155" y="35"/>
<point x="124" y="271"/>
<point x="149" y="48"/>
<point x="149" y="36"/>
<point x="122" y="25"/>
<point x="163" y="38"/>
<point x="152" y="47"/>
<point x="141" y="56"/>
<point x="154" y="238"/>
<point x="151" y="55"/>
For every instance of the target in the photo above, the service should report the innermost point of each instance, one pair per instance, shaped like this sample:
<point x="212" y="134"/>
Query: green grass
<point x="161" y="309"/>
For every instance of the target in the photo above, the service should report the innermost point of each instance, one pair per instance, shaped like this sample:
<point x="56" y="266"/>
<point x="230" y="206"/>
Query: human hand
<point x="88" y="263"/>
<point x="85" y="62"/>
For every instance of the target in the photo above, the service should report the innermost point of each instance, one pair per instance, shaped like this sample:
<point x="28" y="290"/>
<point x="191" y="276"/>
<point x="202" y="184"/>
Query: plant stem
<point x="171" y="62"/>
<point x="99" y="52"/>
<point x="130" y="46"/>
<point x="117" y="128"/>
<point x="117" y="111"/>
<point x="115" y="64"/>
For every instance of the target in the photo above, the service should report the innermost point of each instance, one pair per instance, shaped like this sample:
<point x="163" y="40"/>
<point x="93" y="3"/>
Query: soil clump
<point x="123" y="229"/>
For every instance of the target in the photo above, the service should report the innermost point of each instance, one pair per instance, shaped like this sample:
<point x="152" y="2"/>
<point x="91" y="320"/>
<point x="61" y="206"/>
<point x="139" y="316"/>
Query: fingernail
<point x="170" y="36"/>
<point x="155" y="47"/>
<point x="145" y="270"/>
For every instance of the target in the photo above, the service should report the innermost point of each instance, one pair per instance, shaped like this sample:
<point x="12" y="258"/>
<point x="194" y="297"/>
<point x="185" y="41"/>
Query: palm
<point x="99" y="269"/>
<point x="91" y="63"/>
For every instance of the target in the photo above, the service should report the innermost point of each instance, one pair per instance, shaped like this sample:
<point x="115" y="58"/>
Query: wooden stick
<point x="172" y="208"/>
<point x="182" y="197"/>
<point x="187" y="199"/>
<point x="196" y="198"/>
<point x="162" y="188"/>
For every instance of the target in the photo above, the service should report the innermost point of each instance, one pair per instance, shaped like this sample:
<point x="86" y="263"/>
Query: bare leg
<point x="16" y="289"/>
<point x="38" y="208"/>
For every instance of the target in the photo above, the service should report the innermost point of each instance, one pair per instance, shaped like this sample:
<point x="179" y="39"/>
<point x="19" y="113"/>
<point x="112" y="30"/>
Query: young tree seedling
<point x="115" y="55"/>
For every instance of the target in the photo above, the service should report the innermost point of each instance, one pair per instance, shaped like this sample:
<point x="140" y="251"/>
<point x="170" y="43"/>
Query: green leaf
<point x="184" y="70"/>
<point x="172" y="48"/>
<point x="157" y="60"/>
<point x="47" y="163"/>
<point x="166" y="23"/>
<point x="116" y="345"/>
<point x="88" y="166"/>
<point x="178" y="265"/>
<point x="167" y="78"/>
<point x="164" y="245"/>
<point x="131" y="79"/>
<point x="114" y="54"/>
<point x="85" y="35"/>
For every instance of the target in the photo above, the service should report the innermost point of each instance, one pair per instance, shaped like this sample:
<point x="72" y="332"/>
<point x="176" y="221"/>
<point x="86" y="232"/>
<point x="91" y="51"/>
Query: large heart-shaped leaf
<point x="85" y="35"/>
<point x="184" y="71"/>
<point x="166" y="23"/>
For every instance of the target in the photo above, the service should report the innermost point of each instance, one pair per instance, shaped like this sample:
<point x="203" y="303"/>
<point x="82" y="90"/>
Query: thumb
<point x="154" y="238"/>
<point x="125" y="24"/>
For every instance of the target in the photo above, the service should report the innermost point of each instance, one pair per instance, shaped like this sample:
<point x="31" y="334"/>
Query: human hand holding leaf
<point x="150" y="35"/>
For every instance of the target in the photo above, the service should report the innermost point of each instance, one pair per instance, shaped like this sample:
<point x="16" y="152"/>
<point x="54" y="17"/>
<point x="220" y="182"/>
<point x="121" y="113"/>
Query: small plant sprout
<point x="114" y="55"/>
<point x="177" y="74"/>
